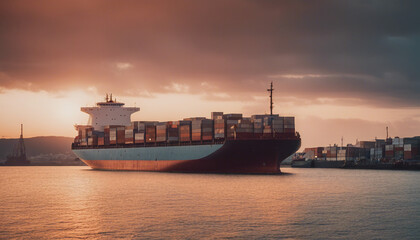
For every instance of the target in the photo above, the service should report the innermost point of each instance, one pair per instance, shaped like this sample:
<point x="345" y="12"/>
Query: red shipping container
<point x="207" y="137"/>
<point x="289" y="130"/>
<point x="120" y="136"/>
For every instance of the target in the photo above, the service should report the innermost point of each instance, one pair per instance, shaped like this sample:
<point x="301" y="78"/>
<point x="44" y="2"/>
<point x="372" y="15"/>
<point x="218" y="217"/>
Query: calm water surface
<point x="76" y="202"/>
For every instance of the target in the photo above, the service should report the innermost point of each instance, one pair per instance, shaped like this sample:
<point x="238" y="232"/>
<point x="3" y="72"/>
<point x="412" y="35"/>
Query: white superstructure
<point x="109" y="112"/>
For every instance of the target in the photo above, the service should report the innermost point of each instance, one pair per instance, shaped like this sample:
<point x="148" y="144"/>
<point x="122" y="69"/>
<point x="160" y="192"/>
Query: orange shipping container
<point x="101" y="141"/>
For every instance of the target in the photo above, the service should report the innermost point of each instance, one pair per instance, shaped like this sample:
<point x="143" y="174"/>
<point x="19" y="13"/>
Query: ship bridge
<point x="109" y="112"/>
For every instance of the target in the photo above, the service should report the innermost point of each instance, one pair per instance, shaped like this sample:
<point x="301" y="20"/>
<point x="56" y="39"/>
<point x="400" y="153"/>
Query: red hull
<point x="238" y="156"/>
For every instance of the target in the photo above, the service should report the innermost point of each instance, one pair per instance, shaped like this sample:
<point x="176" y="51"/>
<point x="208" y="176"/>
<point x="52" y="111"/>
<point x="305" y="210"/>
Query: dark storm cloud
<point x="365" y="50"/>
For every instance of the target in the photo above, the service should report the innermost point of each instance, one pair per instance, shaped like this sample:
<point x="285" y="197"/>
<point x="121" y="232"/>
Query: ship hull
<point x="236" y="156"/>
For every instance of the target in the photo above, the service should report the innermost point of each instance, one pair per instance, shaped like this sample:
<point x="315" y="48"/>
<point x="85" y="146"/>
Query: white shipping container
<point x="389" y="147"/>
<point x="407" y="147"/>
<point x="139" y="136"/>
<point x="397" y="141"/>
<point x="129" y="133"/>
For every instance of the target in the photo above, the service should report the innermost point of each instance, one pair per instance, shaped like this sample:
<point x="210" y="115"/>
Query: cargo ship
<point x="226" y="143"/>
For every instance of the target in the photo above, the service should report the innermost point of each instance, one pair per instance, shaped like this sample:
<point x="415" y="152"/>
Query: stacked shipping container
<point x="198" y="129"/>
<point x="173" y="131"/>
<point x="207" y="129"/>
<point x="380" y="150"/>
<point x="219" y="128"/>
<point x="411" y="148"/>
<point x="201" y="129"/>
<point x="289" y="124"/>
<point x="161" y="132"/>
<point x="185" y="131"/>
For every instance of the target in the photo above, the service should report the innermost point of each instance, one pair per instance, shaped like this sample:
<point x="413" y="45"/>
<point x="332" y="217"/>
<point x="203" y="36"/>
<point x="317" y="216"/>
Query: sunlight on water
<point x="76" y="202"/>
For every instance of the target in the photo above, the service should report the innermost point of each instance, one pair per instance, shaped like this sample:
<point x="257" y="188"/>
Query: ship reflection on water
<point x="76" y="202"/>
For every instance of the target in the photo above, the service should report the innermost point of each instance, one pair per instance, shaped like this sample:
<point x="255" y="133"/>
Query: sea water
<point x="77" y="202"/>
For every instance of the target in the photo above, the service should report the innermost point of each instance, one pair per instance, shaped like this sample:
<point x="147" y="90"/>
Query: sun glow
<point x="54" y="114"/>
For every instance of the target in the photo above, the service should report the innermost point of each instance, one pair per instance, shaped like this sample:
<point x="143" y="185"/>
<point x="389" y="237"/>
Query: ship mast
<point x="271" y="98"/>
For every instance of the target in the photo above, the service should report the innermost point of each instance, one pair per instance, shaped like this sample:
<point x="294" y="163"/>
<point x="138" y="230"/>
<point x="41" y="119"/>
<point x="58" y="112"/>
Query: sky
<point x="342" y="68"/>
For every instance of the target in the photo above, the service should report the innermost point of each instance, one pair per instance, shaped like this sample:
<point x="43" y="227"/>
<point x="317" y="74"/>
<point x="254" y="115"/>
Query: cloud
<point x="123" y="65"/>
<point x="366" y="50"/>
<point x="176" y="87"/>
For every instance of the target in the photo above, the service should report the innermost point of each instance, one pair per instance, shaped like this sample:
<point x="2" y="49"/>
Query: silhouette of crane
<point x="18" y="157"/>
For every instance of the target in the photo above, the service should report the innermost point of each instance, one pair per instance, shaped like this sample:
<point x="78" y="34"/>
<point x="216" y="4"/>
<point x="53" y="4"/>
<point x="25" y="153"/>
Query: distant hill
<point x="42" y="150"/>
